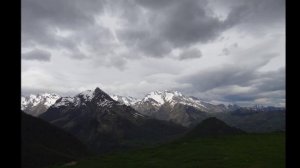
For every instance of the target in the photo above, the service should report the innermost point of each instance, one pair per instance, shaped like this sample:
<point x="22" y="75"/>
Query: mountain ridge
<point x="185" y="110"/>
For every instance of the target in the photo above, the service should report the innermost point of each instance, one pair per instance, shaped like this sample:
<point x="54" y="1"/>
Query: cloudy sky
<point x="229" y="51"/>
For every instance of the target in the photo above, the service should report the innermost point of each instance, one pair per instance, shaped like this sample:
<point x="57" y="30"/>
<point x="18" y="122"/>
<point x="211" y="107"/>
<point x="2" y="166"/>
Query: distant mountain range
<point x="175" y="107"/>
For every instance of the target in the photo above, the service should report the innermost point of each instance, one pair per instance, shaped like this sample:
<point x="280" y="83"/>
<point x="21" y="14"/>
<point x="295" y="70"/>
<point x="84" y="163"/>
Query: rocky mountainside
<point x="105" y="124"/>
<point x="173" y="106"/>
<point x="37" y="104"/>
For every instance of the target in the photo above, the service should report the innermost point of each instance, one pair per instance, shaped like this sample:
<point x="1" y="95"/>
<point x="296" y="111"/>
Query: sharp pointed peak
<point x="98" y="90"/>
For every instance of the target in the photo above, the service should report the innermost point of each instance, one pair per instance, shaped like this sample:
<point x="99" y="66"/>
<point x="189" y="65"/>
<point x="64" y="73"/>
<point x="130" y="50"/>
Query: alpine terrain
<point x="104" y="124"/>
<point x="188" y="111"/>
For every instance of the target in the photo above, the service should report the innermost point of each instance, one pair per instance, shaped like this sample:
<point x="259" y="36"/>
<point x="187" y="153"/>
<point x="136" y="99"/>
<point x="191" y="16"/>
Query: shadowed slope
<point x="213" y="127"/>
<point x="44" y="144"/>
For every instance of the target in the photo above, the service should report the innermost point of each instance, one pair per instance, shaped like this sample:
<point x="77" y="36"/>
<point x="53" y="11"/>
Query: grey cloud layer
<point x="38" y="55"/>
<point x="234" y="83"/>
<point x="149" y="28"/>
<point x="174" y="24"/>
<point x="155" y="33"/>
<point x="118" y="35"/>
<point x="190" y="54"/>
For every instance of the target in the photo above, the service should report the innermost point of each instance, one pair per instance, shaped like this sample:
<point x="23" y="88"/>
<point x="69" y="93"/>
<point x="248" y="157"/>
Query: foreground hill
<point x="213" y="127"/>
<point x="44" y="144"/>
<point x="231" y="151"/>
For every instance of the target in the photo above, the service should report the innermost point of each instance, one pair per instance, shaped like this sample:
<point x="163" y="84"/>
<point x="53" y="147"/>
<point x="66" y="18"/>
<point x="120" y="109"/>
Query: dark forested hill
<point x="44" y="144"/>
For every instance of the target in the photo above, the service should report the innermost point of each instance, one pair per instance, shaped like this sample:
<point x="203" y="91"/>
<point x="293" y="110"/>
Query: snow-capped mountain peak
<point x="173" y="97"/>
<point x="124" y="100"/>
<point x="162" y="97"/>
<point x="157" y="96"/>
<point x="87" y="96"/>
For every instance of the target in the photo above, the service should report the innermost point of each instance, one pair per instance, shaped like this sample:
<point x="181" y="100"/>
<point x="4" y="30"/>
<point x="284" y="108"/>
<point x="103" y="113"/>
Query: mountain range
<point x="173" y="106"/>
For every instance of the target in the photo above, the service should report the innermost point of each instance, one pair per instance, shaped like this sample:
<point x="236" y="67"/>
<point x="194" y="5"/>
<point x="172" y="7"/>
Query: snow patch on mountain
<point x="65" y="101"/>
<point x="87" y="95"/>
<point x="105" y="103"/>
<point x="156" y="96"/>
<point x="137" y="115"/>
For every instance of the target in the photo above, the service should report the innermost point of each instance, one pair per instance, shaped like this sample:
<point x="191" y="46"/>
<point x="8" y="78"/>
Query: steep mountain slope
<point x="44" y="144"/>
<point x="37" y="104"/>
<point x="105" y="124"/>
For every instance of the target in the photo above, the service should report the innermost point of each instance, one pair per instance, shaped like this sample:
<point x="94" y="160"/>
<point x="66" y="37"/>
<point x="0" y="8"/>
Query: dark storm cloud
<point x="39" y="55"/>
<point x="148" y="27"/>
<point x="38" y="17"/>
<point x="71" y="14"/>
<point x="180" y="24"/>
<point x="256" y="14"/>
<point x="189" y="23"/>
<point x="174" y="24"/>
<point x="42" y="19"/>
